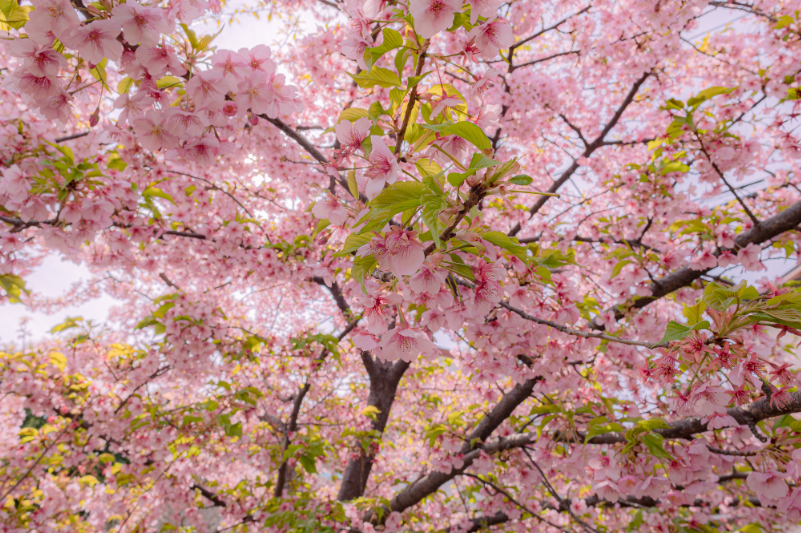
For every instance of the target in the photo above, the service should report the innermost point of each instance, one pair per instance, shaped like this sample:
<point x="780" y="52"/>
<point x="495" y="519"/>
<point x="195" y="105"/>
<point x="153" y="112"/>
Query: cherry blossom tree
<point x="430" y="265"/>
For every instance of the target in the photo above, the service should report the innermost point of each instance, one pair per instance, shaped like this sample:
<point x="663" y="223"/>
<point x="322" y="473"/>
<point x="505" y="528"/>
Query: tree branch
<point x="417" y="491"/>
<point x="588" y="151"/>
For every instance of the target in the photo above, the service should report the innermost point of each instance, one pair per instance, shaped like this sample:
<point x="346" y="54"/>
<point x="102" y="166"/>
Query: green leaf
<point x="521" y="179"/>
<point x="396" y="96"/>
<point x="619" y="266"/>
<point x="694" y="313"/>
<point x="784" y="21"/>
<point x="155" y="191"/>
<point x="376" y="76"/>
<point x="706" y="94"/>
<point x="501" y="239"/>
<point x="676" y="331"/>
<point x="14" y="287"/>
<point x="414" y="80"/>
<point x="169" y="81"/>
<point x="428" y="167"/>
<point x="361" y="267"/>
<point x="308" y="464"/>
<point x="392" y="40"/>
<point x="125" y="85"/>
<point x="653" y="442"/>
<point x="636" y="521"/>
<point x="401" y="58"/>
<point x="674" y="166"/>
<point x="466" y="130"/>
<point x="352" y="114"/>
<point x="653" y="423"/>
<point x="352" y="243"/>
<point x="433" y="201"/>
<point x="69" y="323"/>
<point x="12" y="15"/>
<point x="595" y="430"/>
<point x="477" y="162"/>
<point x="391" y="201"/>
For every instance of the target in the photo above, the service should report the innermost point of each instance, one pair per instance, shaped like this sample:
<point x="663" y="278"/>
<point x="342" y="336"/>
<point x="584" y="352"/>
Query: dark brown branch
<point x="542" y="60"/>
<point x="588" y="151"/>
<point x="686" y="428"/>
<point x="417" y="491"/>
<point x="73" y="136"/>
<point x="786" y="220"/>
<point x="308" y="146"/>
<point x="292" y="424"/>
<point x="521" y="42"/>
<point x="634" y="243"/>
<point x="384" y="380"/>
<point x="410" y="105"/>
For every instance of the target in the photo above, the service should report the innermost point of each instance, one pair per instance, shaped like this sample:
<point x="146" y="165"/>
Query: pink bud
<point x="254" y="119"/>
<point x="95" y="118"/>
<point x="230" y="109"/>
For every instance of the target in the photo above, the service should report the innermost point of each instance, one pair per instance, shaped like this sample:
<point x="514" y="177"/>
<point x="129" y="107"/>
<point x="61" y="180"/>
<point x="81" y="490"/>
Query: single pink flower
<point x="375" y="305"/>
<point x="384" y="169"/>
<point x="39" y="61"/>
<point x="57" y="107"/>
<point x="132" y="106"/>
<point x="330" y="209"/>
<point x="351" y="134"/>
<point x="183" y="123"/>
<point x="429" y="279"/>
<point x="29" y="84"/>
<point x="485" y="8"/>
<point x="492" y="36"/>
<point x="353" y="48"/>
<point x="96" y="40"/>
<point x="749" y="257"/>
<point x="258" y="58"/>
<point x="202" y="151"/>
<point x="404" y="252"/>
<point x="255" y="93"/>
<point x="770" y="486"/>
<point x="406" y="344"/>
<point x="51" y="17"/>
<point x="433" y="16"/>
<point x="781" y="398"/>
<point x="232" y="66"/>
<point x="152" y="131"/>
<point x="158" y="60"/>
<point x="206" y="87"/>
<point x="141" y="24"/>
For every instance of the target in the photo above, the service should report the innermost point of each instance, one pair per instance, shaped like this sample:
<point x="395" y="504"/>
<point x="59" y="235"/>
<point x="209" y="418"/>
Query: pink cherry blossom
<point x="256" y="93"/>
<point x="384" y="167"/>
<point x="54" y="17"/>
<point x="330" y="209"/>
<point x="491" y="36"/>
<point x="232" y="66"/>
<point x="152" y="131"/>
<point x="749" y="257"/>
<point x="769" y="485"/>
<point x="351" y="134"/>
<point x="433" y="16"/>
<point x="158" y="60"/>
<point x="258" y="59"/>
<point x="404" y="252"/>
<point x="140" y="24"/>
<point x="406" y="344"/>
<point x="206" y="87"/>
<point x="484" y="8"/>
<point x="96" y="40"/>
